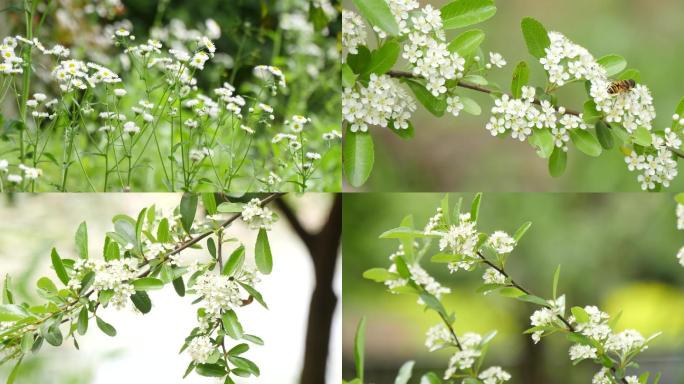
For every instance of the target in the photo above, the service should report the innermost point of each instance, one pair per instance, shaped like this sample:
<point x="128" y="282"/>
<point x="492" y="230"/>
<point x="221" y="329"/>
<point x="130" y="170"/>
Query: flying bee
<point x="620" y="86"/>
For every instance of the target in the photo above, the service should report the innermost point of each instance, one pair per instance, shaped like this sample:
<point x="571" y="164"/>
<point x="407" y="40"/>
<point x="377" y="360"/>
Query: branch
<point x="475" y="87"/>
<point x="562" y="318"/>
<point x="296" y="225"/>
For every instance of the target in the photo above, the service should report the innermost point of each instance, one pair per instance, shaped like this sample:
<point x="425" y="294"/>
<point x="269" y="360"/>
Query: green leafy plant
<point x="462" y="247"/>
<point x="144" y="254"/>
<point x="379" y="91"/>
<point x="165" y="113"/>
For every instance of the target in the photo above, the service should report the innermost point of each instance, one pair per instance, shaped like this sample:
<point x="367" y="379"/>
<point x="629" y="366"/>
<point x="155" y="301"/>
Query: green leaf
<point x="581" y="316"/>
<point x="604" y="134"/>
<point x="112" y="252"/>
<point x="579" y="338"/>
<point x="147" y="284"/>
<point x="86" y="282"/>
<point x="163" y="231"/>
<point x="383" y="58"/>
<point x="590" y="115"/>
<point x="7" y="297"/>
<point x="521" y="76"/>
<point x="536" y="37"/>
<point x="470" y="106"/>
<point x="46" y="285"/>
<point x="82" y="240"/>
<point x="239" y="349"/>
<point x="379" y="275"/>
<point x="358" y="157"/>
<point x="142" y="301"/>
<point x="12" y="312"/>
<point x="139" y="227"/>
<point x="211" y="247"/>
<point x="255" y="294"/>
<point x="235" y="261"/>
<point x="521" y="231"/>
<point x="348" y="76"/>
<point x="462" y="13"/>
<point x="557" y="162"/>
<point x="209" y="202"/>
<point x="210" y="370"/>
<point x="543" y="141"/>
<point x="82" y="325"/>
<point x="359" y="61"/>
<point x="59" y="267"/>
<point x="586" y="142"/>
<point x="430" y="378"/>
<point x="613" y="64"/>
<point x="15" y="371"/>
<point x="405" y="373"/>
<point x="359" y="348"/>
<point x="105" y="327"/>
<point x="533" y="299"/>
<point x="378" y="14"/>
<point x="467" y="42"/>
<point x="436" y="105"/>
<point x="231" y="325"/>
<point x="642" y="136"/>
<point x="630" y="74"/>
<point x="512" y="292"/>
<point x="179" y="286"/>
<point x="556" y="277"/>
<point x="475" y="207"/>
<point x="230" y="207"/>
<point x="262" y="253"/>
<point x="188" y="208"/>
<point x="52" y="334"/>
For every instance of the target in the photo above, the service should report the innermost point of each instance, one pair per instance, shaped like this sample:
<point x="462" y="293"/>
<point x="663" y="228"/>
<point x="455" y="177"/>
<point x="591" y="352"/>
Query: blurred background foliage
<point x="617" y="251"/>
<point x="451" y="153"/>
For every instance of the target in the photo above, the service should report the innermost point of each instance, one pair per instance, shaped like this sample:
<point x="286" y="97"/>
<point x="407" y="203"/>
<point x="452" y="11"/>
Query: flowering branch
<point x="618" y="106"/>
<point x="142" y="255"/>
<point x="463" y="247"/>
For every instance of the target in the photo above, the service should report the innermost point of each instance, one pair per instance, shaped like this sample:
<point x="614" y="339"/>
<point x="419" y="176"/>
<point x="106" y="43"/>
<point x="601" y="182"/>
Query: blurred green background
<point x="617" y="251"/>
<point x="451" y="153"/>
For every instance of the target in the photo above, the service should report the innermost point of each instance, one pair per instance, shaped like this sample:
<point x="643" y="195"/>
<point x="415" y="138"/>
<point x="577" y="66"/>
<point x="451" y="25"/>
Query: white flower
<point x="219" y="293"/>
<point x="602" y="377"/>
<point x="4" y="164"/>
<point x="625" y="342"/>
<point x="580" y="352"/>
<point x="256" y="216"/>
<point x="494" y="375"/>
<point x="297" y="123"/>
<point x="454" y="105"/>
<point x="353" y="33"/>
<point x="437" y="337"/>
<point x="501" y="242"/>
<point x="460" y="361"/>
<point x="422" y="278"/>
<point x="15" y="179"/>
<point x="200" y="348"/>
<point x="313" y="156"/>
<point x="198" y="60"/>
<point x="492" y="276"/>
<point x="122" y="32"/>
<point x="131" y="127"/>
<point x="120" y="92"/>
<point x="496" y="60"/>
<point x="680" y="256"/>
<point x="381" y="102"/>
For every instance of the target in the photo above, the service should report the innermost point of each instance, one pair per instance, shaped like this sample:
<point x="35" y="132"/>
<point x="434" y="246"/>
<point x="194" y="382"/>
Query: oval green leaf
<point x="358" y="157"/>
<point x="462" y="13"/>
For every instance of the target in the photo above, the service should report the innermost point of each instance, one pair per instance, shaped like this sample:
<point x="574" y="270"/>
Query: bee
<point x="620" y="86"/>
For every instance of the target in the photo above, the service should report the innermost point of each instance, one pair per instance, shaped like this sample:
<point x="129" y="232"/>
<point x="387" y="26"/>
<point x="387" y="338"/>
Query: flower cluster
<point x="219" y="293"/>
<point x="382" y="103"/>
<point x="353" y="33"/>
<point x="258" y="217"/>
<point x="10" y="63"/>
<point x="426" y="50"/>
<point x="114" y="276"/>
<point x="200" y="348"/>
<point x="547" y="316"/>
<point x="76" y="74"/>
<point x="659" y="167"/>
<point x="418" y="275"/>
<point x="522" y="116"/>
<point x="464" y="360"/>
